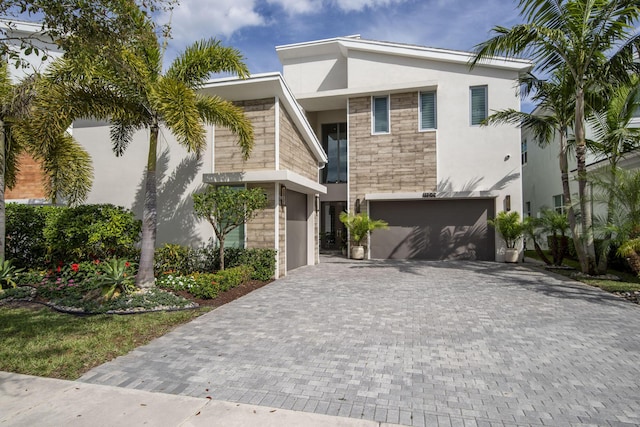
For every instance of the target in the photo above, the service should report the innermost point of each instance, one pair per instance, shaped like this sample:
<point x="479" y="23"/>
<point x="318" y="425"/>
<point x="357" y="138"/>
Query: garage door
<point x="434" y="229"/>
<point x="296" y="229"/>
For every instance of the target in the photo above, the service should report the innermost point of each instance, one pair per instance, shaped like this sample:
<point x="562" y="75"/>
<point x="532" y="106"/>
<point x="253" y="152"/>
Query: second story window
<point x="524" y="151"/>
<point x="334" y="142"/>
<point x="380" y="114"/>
<point x="479" y="104"/>
<point x="428" y="118"/>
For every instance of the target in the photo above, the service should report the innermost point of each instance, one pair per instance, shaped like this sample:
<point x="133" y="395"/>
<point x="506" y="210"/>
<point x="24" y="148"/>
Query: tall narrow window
<point x="380" y="114"/>
<point x="558" y="203"/>
<point x="235" y="238"/>
<point x="428" y="110"/>
<point x="527" y="209"/>
<point x="479" y="104"/>
<point x="334" y="142"/>
<point x="524" y="152"/>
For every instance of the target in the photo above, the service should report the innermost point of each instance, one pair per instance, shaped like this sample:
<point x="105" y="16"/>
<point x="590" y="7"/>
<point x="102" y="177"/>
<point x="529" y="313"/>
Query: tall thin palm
<point x="133" y="93"/>
<point x="577" y="35"/>
<point x="66" y="165"/>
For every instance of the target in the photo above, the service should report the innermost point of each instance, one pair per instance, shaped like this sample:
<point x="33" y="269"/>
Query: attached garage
<point x="296" y="229"/>
<point x="434" y="229"/>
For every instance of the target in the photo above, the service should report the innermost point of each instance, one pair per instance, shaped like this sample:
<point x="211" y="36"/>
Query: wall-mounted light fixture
<point x="283" y="196"/>
<point x="507" y="203"/>
<point x="317" y="203"/>
<point x="357" y="206"/>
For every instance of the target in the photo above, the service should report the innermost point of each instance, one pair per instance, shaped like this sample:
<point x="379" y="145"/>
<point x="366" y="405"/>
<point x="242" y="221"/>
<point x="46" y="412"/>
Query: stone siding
<point x="295" y="155"/>
<point x="228" y="156"/>
<point x="402" y="161"/>
<point x="261" y="229"/>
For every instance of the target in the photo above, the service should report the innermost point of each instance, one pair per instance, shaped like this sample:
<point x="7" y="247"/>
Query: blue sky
<point x="255" y="27"/>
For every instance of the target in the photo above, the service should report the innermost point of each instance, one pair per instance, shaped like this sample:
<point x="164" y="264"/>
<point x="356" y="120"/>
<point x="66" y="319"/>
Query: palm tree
<point x="614" y="137"/>
<point x="66" y="165"/>
<point x="578" y="36"/>
<point x="133" y="93"/>
<point x="625" y="220"/>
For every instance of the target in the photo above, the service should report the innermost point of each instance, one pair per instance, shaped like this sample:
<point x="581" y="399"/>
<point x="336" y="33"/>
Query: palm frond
<point x="194" y="66"/>
<point x="177" y="106"/>
<point x="68" y="170"/>
<point x="219" y="112"/>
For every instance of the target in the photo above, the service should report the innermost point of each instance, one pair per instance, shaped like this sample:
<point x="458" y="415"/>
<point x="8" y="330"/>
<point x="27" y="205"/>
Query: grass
<point x="627" y="283"/>
<point x="46" y="343"/>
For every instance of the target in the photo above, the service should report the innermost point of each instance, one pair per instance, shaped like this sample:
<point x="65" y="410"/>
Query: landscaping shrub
<point x="173" y="259"/>
<point x="25" y="243"/>
<point x="182" y="260"/>
<point x="206" y="285"/>
<point x="232" y="277"/>
<point x="89" y="232"/>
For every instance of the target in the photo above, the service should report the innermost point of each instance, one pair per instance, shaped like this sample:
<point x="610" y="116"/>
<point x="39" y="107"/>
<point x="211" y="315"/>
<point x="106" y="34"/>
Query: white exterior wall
<point x="120" y="180"/>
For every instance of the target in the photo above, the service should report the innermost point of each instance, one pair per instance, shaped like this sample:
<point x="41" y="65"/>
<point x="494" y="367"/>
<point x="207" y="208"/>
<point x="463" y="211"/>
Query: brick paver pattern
<point x="414" y="343"/>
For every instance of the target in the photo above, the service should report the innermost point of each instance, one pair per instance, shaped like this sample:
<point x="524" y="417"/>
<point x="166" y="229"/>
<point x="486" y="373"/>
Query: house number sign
<point x="429" y="195"/>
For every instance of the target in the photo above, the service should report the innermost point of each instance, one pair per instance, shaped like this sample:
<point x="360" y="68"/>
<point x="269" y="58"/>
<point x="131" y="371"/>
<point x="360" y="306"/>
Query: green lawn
<point x="46" y="343"/>
<point x="627" y="283"/>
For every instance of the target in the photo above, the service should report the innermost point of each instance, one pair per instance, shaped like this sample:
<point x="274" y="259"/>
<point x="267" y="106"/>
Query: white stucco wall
<point x="120" y="180"/>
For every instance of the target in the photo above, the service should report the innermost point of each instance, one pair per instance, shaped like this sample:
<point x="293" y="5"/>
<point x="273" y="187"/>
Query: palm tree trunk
<point x="566" y="191"/>
<point x="145" y="277"/>
<point x="588" y="262"/>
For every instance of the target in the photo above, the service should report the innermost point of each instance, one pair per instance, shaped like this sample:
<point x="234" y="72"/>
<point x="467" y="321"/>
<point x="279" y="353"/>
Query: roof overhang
<point x="289" y="179"/>
<point x="263" y="86"/>
<point x="344" y="44"/>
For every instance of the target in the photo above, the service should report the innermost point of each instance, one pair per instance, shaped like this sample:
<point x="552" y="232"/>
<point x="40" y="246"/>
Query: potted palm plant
<point x="359" y="225"/>
<point x="509" y="226"/>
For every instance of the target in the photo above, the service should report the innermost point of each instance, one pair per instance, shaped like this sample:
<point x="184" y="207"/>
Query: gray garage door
<point x="296" y="229"/>
<point x="434" y="229"/>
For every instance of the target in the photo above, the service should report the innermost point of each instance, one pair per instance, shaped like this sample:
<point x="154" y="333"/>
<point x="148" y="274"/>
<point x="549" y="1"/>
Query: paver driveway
<point x="415" y="343"/>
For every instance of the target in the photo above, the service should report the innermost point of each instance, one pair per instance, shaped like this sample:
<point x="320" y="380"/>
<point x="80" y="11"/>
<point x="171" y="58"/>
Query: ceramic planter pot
<point x="357" y="252"/>
<point x="511" y="255"/>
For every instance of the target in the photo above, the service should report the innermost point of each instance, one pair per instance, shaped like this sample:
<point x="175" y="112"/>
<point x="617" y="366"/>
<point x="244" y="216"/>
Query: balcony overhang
<point x="289" y="179"/>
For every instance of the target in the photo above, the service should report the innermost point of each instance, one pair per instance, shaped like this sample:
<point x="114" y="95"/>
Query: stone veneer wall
<point x="261" y="232"/>
<point x="227" y="155"/>
<point x="402" y="161"/>
<point x="295" y="155"/>
<point x="29" y="182"/>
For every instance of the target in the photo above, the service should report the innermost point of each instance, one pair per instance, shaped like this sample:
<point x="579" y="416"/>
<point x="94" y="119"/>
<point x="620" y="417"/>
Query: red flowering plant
<point x="70" y="277"/>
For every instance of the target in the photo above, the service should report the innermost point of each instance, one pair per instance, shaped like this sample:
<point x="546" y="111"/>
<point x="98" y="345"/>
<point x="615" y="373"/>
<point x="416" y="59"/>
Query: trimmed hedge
<point x="182" y="260"/>
<point x="206" y="285"/>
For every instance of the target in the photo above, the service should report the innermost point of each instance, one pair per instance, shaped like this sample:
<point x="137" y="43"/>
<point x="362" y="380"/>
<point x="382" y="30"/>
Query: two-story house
<point x="401" y="127"/>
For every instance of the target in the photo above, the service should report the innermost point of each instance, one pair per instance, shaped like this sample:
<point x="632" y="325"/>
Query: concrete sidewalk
<point x="28" y="401"/>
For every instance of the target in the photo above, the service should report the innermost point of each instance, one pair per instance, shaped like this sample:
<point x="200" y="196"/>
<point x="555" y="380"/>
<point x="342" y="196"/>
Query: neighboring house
<point x="541" y="180"/>
<point x="29" y="187"/>
<point x="284" y="163"/>
<point x="401" y="126"/>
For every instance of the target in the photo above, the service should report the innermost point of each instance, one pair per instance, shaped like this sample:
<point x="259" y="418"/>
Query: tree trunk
<point x="540" y="253"/>
<point x="588" y="264"/>
<point x="221" y="251"/>
<point x="566" y="191"/>
<point x="145" y="277"/>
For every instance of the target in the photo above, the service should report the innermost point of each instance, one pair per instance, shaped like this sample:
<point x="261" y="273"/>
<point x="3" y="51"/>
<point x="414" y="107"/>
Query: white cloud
<point x="196" y="19"/>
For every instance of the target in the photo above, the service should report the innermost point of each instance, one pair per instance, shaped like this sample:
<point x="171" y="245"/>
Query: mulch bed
<point x="225" y="297"/>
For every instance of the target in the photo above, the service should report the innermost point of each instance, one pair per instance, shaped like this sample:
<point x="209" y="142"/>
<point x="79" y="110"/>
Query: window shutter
<point x="381" y="114"/>
<point x="478" y="104"/>
<point x="428" y="109"/>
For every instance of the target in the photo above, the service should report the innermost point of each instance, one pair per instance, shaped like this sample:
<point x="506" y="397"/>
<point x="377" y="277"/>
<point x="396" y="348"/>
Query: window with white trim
<point x="479" y="104"/>
<point x="380" y="114"/>
<point x="558" y="203"/>
<point x="428" y="116"/>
